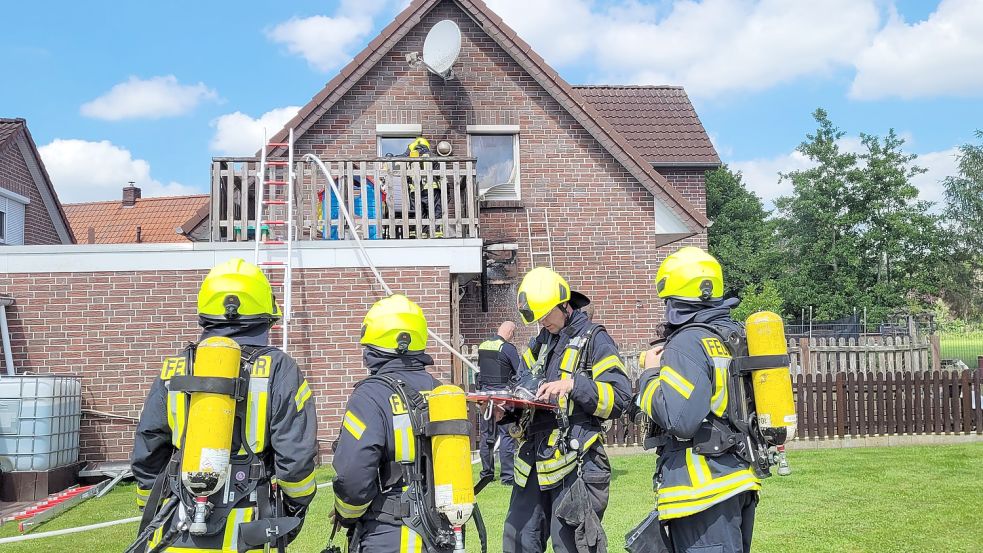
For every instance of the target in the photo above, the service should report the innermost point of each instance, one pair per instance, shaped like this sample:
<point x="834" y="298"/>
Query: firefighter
<point x="562" y="473"/>
<point x="430" y="193"/>
<point x="498" y="365"/>
<point x="275" y="441"/>
<point x="706" y="490"/>
<point x="377" y="434"/>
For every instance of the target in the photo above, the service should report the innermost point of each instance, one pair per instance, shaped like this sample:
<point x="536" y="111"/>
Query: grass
<point x="966" y="346"/>
<point x="888" y="500"/>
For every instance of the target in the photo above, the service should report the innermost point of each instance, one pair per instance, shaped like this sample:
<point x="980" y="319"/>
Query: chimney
<point x="130" y="195"/>
<point x="92" y="235"/>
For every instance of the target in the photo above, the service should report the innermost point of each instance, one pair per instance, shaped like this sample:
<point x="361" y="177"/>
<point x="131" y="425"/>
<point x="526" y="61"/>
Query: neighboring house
<point x="137" y="220"/>
<point x="30" y="213"/>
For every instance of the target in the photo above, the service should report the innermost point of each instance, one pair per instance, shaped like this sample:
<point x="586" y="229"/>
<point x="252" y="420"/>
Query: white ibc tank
<point x="39" y="422"/>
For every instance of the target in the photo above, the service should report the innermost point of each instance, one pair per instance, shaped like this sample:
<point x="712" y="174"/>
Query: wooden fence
<point x="867" y="353"/>
<point x="384" y="197"/>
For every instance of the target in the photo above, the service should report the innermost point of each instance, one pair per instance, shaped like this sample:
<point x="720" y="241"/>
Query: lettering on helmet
<point x="261" y="368"/>
<point x="715" y="348"/>
<point x="173" y="366"/>
<point x="396" y="403"/>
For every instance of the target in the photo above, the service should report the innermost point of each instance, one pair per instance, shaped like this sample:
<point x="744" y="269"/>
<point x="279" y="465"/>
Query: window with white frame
<point x="496" y="150"/>
<point x="394" y="145"/>
<point x="12" y="213"/>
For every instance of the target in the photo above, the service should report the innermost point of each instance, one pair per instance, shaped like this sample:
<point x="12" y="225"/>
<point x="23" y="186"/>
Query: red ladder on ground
<point x="274" y="249"/>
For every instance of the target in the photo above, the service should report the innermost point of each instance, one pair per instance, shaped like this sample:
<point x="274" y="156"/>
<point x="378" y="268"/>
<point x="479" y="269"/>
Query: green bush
<point x="753" y="299"/>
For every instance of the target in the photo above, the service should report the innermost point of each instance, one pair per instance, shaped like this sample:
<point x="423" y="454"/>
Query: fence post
<point x="936" y="352"/>
<point x="804" y="356"/>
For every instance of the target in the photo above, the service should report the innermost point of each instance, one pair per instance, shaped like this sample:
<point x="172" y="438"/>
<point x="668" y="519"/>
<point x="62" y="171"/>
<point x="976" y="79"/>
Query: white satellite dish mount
<point x="440" y="50"/>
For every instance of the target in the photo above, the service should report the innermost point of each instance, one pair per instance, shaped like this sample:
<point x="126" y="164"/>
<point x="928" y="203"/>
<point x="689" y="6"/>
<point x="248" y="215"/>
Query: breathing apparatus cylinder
<point x="772" y="386"/>
<point x="211" y="418"/>
<point x="453" y="482"/>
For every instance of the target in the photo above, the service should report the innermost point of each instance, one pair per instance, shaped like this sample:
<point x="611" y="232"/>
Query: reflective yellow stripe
<point x="680" y="501"/>
<point x="176" y="406"/>
<point x="302" y="488"/>
<point x="609" y="362"/>
<point x="646" y="401"/>
<point x="676" y="380"/>
<point x="236" y="518"/>
<point x="142" y="496"/>
<point x="353" y="425"/>
<point x="303" y="394"/>
<point x="256" y="412"/>
<point x="696" y="465"/>
<point x="405" y="442"/>
<point x="409" y="541"/>
<point x="569" y="362"/>
<point x="605" y="400"/>
<point x="493" y="345"/>
<point x="718" y="403"/>
<point x="348" y="510"/>
<point x="528" y="358"/>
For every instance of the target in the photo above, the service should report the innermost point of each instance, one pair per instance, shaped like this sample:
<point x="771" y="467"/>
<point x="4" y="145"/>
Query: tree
<point x="817" y="230"/>
<point x="754" y="298"/>
<point x="741" y="236"/>
<point x="964" y="225"/>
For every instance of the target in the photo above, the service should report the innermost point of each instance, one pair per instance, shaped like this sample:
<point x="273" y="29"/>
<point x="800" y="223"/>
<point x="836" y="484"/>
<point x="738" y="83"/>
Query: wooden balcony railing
<point x="388" y="198"/>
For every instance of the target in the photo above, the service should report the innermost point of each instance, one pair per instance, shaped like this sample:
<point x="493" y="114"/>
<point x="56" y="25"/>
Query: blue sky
<point x="149" y="91"/>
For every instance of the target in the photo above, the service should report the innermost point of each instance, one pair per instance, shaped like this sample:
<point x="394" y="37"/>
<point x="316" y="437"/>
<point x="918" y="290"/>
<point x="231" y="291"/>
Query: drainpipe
<point x="8" y="356"/>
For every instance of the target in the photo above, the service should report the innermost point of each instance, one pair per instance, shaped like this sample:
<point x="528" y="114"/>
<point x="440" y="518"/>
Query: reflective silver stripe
<point x="605" y="400"/>
<point x="256" y="410"/>
<point x="718" y="403"/>
<point x="403" y="439"/>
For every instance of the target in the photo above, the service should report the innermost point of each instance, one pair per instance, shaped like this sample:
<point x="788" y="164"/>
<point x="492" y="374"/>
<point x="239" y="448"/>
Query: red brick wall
<point x="113" y="329"/>
<point x="16" y="177"/>
<point x="601" y="217"/>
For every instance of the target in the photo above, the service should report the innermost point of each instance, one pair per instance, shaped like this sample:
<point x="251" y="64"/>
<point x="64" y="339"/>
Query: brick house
<point x="615" y="173"/>
<point x="30" y="213"/>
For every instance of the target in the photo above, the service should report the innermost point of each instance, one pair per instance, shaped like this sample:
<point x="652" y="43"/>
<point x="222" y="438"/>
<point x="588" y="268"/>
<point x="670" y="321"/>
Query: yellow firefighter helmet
<point x="236" y="290"/>
<point x="543" y="289"/>
<point x="395" y="324"/>
<point x="690" y="274"/>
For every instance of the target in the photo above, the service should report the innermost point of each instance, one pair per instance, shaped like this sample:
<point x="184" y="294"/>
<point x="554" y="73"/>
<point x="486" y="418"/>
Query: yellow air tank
<point x="211" y="418"/>
<point x="772" y="386"/>
<point x="452" y="477"/>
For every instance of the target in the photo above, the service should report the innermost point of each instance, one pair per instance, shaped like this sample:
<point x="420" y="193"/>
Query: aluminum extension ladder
<point x="274" y="247"/>
<point x="546" y="236"/>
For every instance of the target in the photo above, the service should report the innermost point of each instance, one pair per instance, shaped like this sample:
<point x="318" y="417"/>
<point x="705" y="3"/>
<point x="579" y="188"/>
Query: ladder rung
<point x="276" y="182"/>
<point x="275" y="283"/>
<point x="275" y="202"/>
<point x="273" y="242"/>
<point x="278" y="163"/>
<point x="275" y="222"/>
<point x="272" y="263"/>
<point x="279" y="144"/>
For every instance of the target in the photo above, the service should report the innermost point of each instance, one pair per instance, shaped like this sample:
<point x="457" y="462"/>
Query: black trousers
<point x="491" y="431"/>
<point x="530" y="522"/>
<point x="723" y="528"/>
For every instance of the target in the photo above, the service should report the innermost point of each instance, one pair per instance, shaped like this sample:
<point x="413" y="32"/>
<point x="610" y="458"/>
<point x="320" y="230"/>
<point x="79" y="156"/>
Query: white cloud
<point x="84" y="171"/>
<point x="152" y="98"/>
<point x="711" y="47"/>
<point x="237" y="134"/>
<point x="761" y="175"/>
<point x="328" y="42"/>
<point x="939" y="56"/>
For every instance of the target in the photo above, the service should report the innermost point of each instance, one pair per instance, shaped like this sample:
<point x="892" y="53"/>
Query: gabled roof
<point x="578" y="107"/>
<point x="159" y="219"/>
<point x="659" y="121"/>
<point x="14" y="129"/>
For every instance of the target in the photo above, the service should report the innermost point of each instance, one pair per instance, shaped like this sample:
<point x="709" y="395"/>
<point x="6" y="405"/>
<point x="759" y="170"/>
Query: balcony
<point x="388" y="198"/>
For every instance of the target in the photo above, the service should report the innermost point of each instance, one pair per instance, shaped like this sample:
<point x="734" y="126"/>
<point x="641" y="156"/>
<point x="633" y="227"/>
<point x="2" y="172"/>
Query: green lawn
<point x="845" y="500"/>
<point x="965" y="346"/>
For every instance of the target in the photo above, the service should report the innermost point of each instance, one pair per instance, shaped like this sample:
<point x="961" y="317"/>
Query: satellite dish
<point x="442" y="47"/>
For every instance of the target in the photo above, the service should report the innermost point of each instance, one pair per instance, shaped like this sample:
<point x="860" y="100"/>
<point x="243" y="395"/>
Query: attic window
<point x="497" y="154"/>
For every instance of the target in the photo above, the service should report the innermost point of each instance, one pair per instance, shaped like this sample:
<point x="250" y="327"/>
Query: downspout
<point x="8" y="356"/>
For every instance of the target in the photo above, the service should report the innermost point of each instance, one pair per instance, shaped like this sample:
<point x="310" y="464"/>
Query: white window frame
<point x="3" y="225"/>
<point x="19" y="203"/>
<point x="502" y="130"/>
<point x="395" y="130"/>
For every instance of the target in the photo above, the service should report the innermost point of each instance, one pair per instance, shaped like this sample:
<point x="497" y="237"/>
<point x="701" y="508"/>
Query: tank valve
<point x="198" y="525"/>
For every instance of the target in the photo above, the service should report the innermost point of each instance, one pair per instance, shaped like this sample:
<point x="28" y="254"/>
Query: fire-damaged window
<point x="497" y="157"/>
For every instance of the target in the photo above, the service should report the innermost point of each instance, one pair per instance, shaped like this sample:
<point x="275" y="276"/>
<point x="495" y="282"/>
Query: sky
<point x="150" y="91"/>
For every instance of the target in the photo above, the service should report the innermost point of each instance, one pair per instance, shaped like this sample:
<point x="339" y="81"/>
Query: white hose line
<point x="365" y="254"/>
<point x="77" y="529"/>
